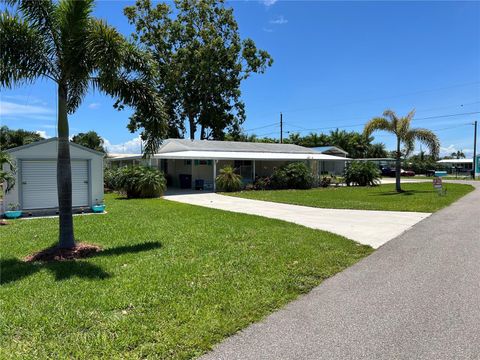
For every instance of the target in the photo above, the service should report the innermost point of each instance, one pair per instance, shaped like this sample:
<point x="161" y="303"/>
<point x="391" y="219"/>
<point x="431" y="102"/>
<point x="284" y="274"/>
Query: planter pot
<point x="98" y="208"/>
<point x="13" y="214"/>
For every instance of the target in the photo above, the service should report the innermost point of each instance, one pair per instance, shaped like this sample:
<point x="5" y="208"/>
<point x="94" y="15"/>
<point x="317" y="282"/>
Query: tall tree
<point x="61" y="41"/>
<point x="202" y="61"/>
<point x="10" y="138"/>
<point x="400" y="127"/>
<point x="458" y="154"/>
<point x="377" y="150"/>
<point x="90" y="139"/>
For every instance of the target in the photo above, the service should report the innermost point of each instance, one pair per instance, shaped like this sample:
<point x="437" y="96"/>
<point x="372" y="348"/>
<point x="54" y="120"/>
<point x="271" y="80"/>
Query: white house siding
<point x="47" y="150"/>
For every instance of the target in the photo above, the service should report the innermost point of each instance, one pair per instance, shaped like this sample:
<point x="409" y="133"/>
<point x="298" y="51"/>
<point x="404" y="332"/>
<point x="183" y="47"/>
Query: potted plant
<point x="99" y="206"/>
<point x="13" y="211"/>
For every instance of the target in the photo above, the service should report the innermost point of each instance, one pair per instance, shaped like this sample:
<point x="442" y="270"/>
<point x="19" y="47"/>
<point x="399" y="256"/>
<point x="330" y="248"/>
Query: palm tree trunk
<point x="191" y="120"/>
<point x="398" y="168"/>
<point x="64" y="174"/>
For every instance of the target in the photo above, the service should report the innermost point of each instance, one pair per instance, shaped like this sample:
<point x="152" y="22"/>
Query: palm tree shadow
<point x="403" y="193"/>
<point x="13" y="269"/>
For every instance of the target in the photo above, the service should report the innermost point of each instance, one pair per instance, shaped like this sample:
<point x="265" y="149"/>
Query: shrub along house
<point x="194" y="164"/>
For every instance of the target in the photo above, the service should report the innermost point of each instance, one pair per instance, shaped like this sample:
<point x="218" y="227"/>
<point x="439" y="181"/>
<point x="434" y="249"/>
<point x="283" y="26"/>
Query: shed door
<point x="39" y="184"/>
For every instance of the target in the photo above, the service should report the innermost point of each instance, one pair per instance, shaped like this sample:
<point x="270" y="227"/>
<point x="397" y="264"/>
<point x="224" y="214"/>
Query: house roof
<point x="455" y="161"/>
<point x="245" y="155"/>
<point x="231" y="150"/>
<point x="323" y="149"/>
<point x="174" y="145"/>
<point x="40" y="142"/>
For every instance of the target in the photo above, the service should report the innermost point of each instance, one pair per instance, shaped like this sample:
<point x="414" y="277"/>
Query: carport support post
<point x="214" y="175"/>
<point x="253" y="171"/>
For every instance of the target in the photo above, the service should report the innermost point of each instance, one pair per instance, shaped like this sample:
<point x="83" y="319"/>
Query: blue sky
<point x="336" y="64"/>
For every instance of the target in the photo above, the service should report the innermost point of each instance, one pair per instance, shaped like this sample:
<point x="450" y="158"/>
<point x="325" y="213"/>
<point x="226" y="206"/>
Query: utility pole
<point x="281" y="128"/>
<point x="474" y="149"/>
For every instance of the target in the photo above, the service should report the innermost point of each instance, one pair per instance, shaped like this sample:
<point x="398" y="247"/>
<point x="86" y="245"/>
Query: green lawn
<point x="172" y="281"/>
<point x="419" y="197"/>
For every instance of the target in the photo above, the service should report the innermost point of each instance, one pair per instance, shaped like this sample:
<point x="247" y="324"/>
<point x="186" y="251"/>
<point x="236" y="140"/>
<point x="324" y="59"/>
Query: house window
<point x="203" y="162"/>
<point x="187" y="162"/>
<point x="239" y="163"/>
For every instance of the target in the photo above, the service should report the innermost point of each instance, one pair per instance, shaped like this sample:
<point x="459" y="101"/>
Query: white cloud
<point x="93" y="106"/>
<point x="279" y="20"/>
<point x="268" y="3"/>
<point x="129" y="147"/>
<point x="43" y="134"/>
<point x="267" y="30"/>
<point x="447" y="151"/>
<point x="8" y="108"/>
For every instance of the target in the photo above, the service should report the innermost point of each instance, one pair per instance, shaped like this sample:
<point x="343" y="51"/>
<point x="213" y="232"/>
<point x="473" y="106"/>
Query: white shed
<point x="36" y="177"/>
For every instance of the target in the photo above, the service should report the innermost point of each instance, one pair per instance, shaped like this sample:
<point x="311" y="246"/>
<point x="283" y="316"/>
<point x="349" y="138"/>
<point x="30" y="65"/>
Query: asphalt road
<point x="416" y="297"/>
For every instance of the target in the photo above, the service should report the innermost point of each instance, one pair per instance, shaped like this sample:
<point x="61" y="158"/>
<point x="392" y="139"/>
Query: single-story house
<point x="36" y="176"/>
<point x="332" y="167"/>
<point x="459" y="166"/>
<point x="196" y="163"/>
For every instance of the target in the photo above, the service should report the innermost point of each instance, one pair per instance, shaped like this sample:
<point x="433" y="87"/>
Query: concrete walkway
<point x="372" y="228"/>
<point x="417" y="297"/>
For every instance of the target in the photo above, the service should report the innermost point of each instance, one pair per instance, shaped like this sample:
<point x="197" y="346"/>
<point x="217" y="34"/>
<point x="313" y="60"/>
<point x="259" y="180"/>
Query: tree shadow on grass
<point x="13" y="269"/>
<point x="403" y="193"/>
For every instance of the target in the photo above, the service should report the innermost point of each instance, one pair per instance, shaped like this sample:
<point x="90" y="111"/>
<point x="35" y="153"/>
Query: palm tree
<point x="7" y="177"/>
<point x="458" y="154"/>
<point x="61" y="41"/>
<point x="400" y="126"/>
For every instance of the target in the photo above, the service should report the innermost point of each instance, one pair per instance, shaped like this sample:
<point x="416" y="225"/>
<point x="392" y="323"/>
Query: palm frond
<point x="378" y="123"/>
<point x="8" y="179"/>
<point x="105" y="47"/>
<point x="23" y="55"/>
<point x="426" y="137"/>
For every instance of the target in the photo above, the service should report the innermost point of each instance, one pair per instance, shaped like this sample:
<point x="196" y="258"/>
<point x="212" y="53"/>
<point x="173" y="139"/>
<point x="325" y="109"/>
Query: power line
<point x="262" y="127"/>
<point x="374" y="99"/>
<point x="362" y="124"/>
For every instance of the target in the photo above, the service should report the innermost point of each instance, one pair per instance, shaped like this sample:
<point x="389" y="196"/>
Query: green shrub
<point x="140" y="182"/>
<point x="295" y="175"/>
<point x="325" y="181"/>
<point x="110" y="177"/>
<point x="262" y="183"/>
<point x="228" y="180"/>
<point x="362" y="173"/>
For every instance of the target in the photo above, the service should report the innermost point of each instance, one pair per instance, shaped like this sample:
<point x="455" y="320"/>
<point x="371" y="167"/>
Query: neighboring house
<point x="332" y="167"/>
<point x="196" y="163"/>
<point x="457" y="166"/>
<point x="381" y="162"/>
<point x="36" y="176"/>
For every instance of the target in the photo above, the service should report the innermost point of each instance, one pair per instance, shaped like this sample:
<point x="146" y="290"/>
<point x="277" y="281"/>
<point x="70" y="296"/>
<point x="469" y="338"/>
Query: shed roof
<point x="40" y="142"/>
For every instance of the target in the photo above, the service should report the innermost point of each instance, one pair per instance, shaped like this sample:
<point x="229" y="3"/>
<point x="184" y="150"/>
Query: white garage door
<point x="39" y="184"/>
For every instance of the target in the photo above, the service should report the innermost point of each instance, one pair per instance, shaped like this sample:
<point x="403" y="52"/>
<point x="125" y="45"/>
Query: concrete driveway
<point x="367" y="227"/>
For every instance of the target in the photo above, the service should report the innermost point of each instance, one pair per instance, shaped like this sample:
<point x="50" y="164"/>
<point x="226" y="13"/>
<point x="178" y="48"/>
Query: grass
<point x="420" y="197"/>
<point x="172" y="281"/>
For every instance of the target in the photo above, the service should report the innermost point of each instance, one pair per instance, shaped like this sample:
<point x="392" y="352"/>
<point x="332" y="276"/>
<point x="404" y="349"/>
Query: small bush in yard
<point x="228" y="180"/>
<point x="296" y="175"/>
<point x="325" y="181"/>
<point x="362" y="173"/>
<point x="110" y="177"/>
<point x="140" y="182"/>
